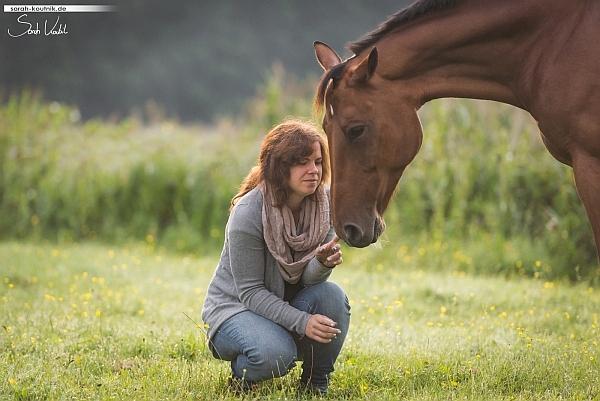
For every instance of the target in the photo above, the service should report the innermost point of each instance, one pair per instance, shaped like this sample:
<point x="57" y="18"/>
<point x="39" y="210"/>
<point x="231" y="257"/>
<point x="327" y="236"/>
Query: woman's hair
<point x="286" y="145"/>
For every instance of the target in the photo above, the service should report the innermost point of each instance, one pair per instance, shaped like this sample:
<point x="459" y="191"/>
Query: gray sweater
<point x="247" y="276"/>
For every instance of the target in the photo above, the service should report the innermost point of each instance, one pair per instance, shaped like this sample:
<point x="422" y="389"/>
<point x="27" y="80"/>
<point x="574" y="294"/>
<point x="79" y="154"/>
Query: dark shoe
<point x="312" y="389"/>
<point x="240" y="386"/>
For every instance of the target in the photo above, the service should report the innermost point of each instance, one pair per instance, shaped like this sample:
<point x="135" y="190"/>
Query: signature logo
<point x="27" y="28"/>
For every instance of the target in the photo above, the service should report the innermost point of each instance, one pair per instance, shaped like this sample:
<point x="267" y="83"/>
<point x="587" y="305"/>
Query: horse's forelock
<point x="334" y="74"/>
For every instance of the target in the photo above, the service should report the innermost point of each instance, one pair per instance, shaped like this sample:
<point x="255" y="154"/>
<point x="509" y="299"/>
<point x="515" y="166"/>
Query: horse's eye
<point x="353" y="133"/>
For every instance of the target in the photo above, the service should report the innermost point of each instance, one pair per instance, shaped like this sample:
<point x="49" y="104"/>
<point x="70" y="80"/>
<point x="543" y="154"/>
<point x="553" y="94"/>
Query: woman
<point x="268" y="303"/>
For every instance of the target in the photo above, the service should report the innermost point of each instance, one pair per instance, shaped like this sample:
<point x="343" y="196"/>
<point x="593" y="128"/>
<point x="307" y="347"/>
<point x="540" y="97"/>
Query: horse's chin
<point x="360" y="244"/>
<point x="378" y="228"/>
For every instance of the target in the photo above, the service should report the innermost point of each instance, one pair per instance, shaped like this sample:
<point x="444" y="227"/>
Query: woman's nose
<point x="313" y="168"/>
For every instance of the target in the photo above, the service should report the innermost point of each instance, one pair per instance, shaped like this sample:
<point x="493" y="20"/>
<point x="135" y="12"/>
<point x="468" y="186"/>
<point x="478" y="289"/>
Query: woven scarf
<point x="293" y="245"/>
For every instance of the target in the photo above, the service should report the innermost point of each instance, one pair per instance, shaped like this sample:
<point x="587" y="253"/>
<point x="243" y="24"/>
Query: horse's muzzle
<point x="356" y="237"/>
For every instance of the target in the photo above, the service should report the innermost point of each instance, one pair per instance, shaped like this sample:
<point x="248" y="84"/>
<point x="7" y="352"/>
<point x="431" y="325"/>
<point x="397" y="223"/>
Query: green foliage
<point x="67" y="180"/>
<point x="483" y="170"/>
<point x="482" y="182"/>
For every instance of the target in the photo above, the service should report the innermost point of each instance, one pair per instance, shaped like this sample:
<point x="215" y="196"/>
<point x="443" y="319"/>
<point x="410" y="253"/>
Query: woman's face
<point x="306" y="176"/>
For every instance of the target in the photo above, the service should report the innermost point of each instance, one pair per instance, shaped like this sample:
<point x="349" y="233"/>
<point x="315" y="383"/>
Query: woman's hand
<point x="330" y="254"/>
<point x="321" y="329"/>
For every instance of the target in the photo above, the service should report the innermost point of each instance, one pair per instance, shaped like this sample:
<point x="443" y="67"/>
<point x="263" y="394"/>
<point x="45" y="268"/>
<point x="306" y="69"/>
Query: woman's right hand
<point x="330" y="254"/>
<point x="321" y="329"/>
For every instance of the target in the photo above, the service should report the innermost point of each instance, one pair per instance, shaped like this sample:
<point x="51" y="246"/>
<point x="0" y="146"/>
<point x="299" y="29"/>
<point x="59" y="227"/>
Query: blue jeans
<point x="260" y="349"/>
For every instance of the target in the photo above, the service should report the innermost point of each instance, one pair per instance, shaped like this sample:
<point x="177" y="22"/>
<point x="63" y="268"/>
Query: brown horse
<point x="540" y="55"/>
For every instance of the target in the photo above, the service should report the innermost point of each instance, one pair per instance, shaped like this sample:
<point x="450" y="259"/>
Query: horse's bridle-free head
<point x="372" y="133"/>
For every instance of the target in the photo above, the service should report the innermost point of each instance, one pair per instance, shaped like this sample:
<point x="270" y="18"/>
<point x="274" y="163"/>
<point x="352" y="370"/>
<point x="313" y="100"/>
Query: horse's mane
<point x="408" y="14"/>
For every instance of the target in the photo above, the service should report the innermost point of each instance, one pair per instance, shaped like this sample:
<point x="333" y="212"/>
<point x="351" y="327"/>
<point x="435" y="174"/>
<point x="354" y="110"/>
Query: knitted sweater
<point x="247" y="276"/>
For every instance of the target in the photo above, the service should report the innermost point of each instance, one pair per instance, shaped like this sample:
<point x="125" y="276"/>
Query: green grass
<point x="89" y="321"/>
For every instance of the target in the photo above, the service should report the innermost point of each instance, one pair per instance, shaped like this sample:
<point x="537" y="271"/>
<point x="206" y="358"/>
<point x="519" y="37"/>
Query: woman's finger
<point x="334" y="256"/>
<point x="328" y="250"/>
<point x="322" y="329"/>
<point x="334" y="249"/>
<point x="332" y="243"/>
<point x="335" y="262"/>
<point x="327" y="331"/>
<point x="320" y="339"/>
<point x="319" y="334"/>
<point x="324" y="320"/>
<point x="325" y="336"/>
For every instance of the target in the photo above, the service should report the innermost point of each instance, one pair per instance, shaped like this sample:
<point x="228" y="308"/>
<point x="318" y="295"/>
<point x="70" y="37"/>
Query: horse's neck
<point x="476" y="49"/>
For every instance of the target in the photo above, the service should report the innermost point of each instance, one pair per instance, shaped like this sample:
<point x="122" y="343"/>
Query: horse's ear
<point x="365" y="69"/>
<point x="326" y="56"/>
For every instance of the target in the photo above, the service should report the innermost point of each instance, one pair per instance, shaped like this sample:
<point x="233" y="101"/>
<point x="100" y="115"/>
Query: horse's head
<point x="373" y="133"/>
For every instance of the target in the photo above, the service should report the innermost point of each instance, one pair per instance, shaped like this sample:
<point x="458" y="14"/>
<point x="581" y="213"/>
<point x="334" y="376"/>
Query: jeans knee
<point x="332" y="295"/>
<point x="336" y="292"/>
<point x="274" y="361"/>
<point x="326" y="298"/>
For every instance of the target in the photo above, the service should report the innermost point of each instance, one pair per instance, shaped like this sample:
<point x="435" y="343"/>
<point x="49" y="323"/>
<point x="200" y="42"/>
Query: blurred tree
<point x="193" y="59"/>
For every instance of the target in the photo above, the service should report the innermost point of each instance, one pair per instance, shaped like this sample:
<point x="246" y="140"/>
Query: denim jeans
<point x="260" y="349"/>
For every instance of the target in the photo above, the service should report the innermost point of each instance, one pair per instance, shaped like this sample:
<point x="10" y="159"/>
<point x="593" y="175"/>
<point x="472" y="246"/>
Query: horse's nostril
<point x="353" y="233"/>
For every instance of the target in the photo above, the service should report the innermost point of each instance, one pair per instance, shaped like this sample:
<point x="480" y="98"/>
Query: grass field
<point x="90" y="321"/>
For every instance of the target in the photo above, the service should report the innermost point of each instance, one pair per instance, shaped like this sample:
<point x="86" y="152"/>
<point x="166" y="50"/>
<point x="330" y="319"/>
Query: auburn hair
<point x="284" y="146"/>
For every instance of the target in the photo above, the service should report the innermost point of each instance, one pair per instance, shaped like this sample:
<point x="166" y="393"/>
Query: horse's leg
<point x="587" y="180"/>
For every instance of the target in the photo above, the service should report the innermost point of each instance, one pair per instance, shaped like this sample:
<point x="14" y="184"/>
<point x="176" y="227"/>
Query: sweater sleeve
<point x="247" y="258"/>
<point x="315" y="272"/>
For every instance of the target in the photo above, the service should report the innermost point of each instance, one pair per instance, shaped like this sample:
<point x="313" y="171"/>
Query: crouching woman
<point x="269" y="303"/>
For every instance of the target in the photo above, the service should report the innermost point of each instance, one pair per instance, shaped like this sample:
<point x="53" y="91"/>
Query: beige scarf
<point x="293" y="245"/>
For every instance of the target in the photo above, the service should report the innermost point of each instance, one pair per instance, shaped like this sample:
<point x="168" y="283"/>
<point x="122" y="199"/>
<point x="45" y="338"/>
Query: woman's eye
<point x="319" y="161"/>
<point x="353" y="133"/>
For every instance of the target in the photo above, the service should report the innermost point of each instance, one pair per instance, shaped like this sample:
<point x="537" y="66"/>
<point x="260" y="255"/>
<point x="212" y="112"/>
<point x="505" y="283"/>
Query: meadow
<point x="482" y="180"/>
<point x="90" y="321"/>
<point x="484" y="285"/>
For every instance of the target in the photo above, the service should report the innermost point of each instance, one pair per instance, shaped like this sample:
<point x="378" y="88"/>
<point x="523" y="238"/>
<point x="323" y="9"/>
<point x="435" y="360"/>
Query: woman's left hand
<point x="330" y="254"/>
